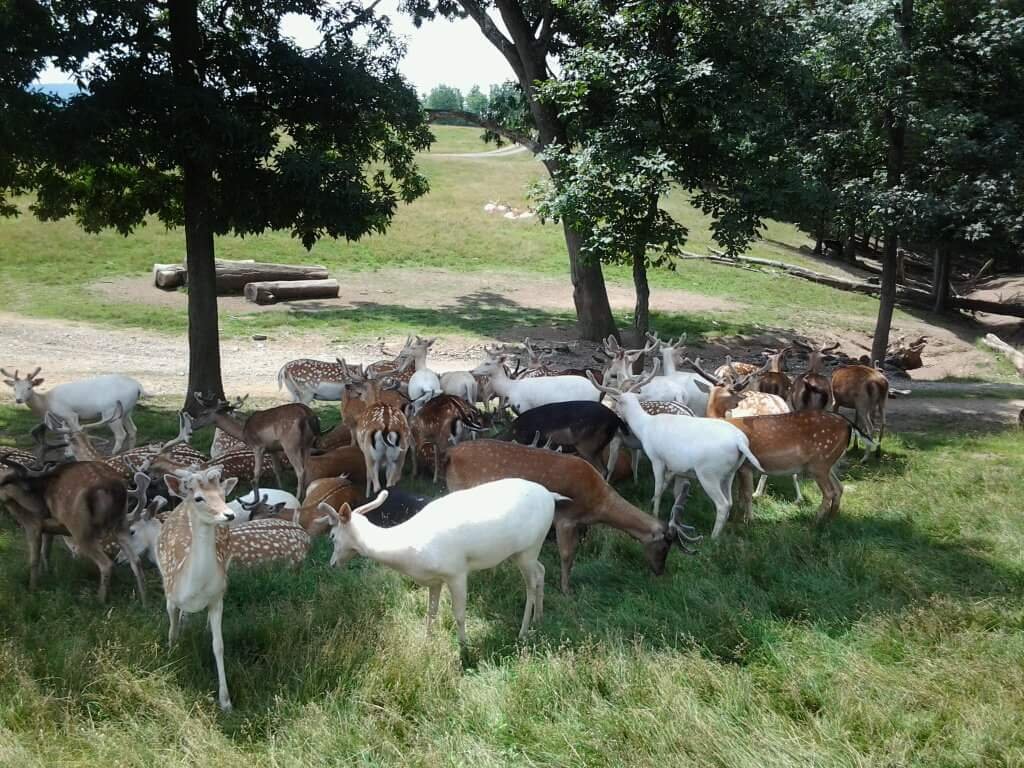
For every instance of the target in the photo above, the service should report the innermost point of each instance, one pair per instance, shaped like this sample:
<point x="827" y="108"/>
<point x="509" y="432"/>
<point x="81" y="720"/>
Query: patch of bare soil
<point x="422" y="289"/>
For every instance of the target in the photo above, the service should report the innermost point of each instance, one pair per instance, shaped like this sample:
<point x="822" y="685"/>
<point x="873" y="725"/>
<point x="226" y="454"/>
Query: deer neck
<point x="82" y="449"/>
<point x="201" y="561"/>
<point x="36" y="403"/>
<point x="420" y="360"/>
<point x="229" y="426"/>
<point x="618" y="513"/>
<point x="634" y="415"/>
<point x="668" y="361"/>
<point x="384" y="545"/>
<point x="500" y="382"/>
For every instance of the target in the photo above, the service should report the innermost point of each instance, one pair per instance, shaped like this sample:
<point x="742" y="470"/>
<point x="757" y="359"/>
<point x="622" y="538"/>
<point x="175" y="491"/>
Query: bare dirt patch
<point x="421" y="289"/>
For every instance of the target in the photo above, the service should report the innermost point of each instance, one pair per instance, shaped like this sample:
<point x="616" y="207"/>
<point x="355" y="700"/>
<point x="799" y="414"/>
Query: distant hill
<point x="63" y="90"/>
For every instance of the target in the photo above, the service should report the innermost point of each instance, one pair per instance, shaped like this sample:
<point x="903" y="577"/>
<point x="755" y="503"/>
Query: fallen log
<point x="233" y="276"/>
<point x="290" y="290"/>
<point x="1015" y="357"/>
<point x="904" y="295"/>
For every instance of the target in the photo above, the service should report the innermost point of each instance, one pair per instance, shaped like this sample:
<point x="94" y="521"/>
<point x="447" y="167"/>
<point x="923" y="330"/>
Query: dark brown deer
<point x="866" y="390"/>
<point x="812" y="390"/>
<point x="775" y="381"/>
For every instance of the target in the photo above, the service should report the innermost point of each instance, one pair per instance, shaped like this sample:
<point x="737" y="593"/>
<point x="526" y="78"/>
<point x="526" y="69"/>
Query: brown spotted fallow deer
<point x="87" y="501"/>
<point x="307" y="379"/>
<point x="384" y="437"/>
<point x="775" y="381"/>
<point x="293" y="428"/>
<point x="594" y="501"/>
<point x="440" y="424"/>
<point x="866" y="390"/>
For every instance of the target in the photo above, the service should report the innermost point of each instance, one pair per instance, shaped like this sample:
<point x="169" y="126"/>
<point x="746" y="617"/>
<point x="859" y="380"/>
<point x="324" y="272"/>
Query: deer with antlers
<point x="812" y="390"/>
<point x="293" y="428"/>
<point x="440" y="424"/>
<point x="775" y="381"/>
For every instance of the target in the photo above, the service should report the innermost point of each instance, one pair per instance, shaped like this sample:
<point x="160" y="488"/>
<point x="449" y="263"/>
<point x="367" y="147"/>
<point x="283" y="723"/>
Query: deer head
<point x="22" y="387"/>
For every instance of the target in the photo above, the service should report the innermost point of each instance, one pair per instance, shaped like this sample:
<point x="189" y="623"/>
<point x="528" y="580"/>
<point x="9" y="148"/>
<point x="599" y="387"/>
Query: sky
<point x="454" y="53"/>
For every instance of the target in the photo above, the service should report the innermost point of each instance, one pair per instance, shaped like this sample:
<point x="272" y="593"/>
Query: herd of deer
<point x="504" y="494"/>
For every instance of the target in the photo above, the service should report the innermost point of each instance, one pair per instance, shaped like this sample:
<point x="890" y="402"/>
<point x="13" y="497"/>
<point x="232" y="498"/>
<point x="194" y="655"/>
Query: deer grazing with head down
<point x="524" y="394"/>
<point x="593" y="501"/>
<point x="465" y="531"/>
<point x="87" y="501"/>
<point x="78" y="401"/>
<point x="293" y="428"/>
<point x="866" y="390"/>
<point x="812" y="390"/>
<point x="307" y="379"/>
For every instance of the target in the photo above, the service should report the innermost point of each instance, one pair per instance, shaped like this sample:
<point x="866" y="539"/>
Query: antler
<point x="142" y="482"/>
<point x="642" y="381"/>
<point x="701" y="372"/>
<point x="8" y="374"/>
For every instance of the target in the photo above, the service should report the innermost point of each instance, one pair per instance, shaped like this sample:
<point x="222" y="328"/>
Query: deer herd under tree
<point x="552" y="466"/>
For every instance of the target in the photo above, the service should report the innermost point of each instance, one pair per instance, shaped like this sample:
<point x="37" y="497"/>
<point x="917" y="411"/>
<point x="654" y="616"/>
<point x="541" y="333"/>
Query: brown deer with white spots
<point x="193" y="552"/>
<point x="307" y="379"/>
<point x="594" y="501"/>
<point x="806" y="442"/>
<point x="85" y="500"/>
<point x="268" y="541"/>
<point x="293" y="429"/>
<point x="866" y="390"/>
<point x="812" y="390"/>
<point x="384" y="437"/>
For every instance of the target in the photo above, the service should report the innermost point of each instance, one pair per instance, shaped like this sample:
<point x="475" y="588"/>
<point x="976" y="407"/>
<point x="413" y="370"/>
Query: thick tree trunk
<point x="896" y="121"/>
<point x="594" y="318"/>
<point x="940" y="280"/>
<point x="203" y="330"/>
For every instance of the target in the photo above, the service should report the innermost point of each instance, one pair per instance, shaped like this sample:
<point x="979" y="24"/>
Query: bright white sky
<point x="454" y="53"/>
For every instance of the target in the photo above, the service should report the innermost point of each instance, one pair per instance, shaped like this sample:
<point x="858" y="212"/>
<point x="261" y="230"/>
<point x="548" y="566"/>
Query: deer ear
<point x="229" y="485"/>
<point x="8" y="382"/>
<point x="329" y="513"/>
<point x="175" y="485"/>
<point x="37" y="382"/>
<point x="703" y="386"/>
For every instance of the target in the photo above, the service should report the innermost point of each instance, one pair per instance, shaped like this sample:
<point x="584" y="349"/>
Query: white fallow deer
<point x="78" y="401"/>
<point x="525" y="394"/>
<point x="424" y="384"/>
<point x="465" y="531"/>
<point x="681" y="446"/>
<point x="193" y="552"/>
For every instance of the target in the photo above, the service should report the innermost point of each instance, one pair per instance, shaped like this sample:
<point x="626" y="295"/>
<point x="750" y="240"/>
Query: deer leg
<point x="216" y="614"/>
<point x="613" y="457"/>
<point x="120" y="433"/>
<point x="437" y="462"/>
<point x="837" y="493"/>
<point x="34" y="540"/>
<point x="538" y="588"/>
<point x="44" y="551"/>
<point x="746" y="474"/>
<point x="638" y="454"/>
<point x="796" y="485"/>
<point x="659" y="485"/>
<point x="525" y="563"/>
<point x="761" y="483"/>
<point x="457" y="588"/>
<point x="567" y="534"/>
<point x="94" y="551"/>
<point x="124" y="539"/>
<point x="257" y="469"/>
<point x="719" y="490"/>
<point x="276" y="468"/>
<point x="132" y="431"/>
<point x="435" y="597"/>
<point x="881" y="428"/>
<point x="822" y="476"/>
<point x="174" y="616"/>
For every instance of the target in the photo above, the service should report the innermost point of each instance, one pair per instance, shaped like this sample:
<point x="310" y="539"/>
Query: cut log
<point x="233" y="276"/>
<point x="290" y="290"/>
<point x="1015" y="357"/>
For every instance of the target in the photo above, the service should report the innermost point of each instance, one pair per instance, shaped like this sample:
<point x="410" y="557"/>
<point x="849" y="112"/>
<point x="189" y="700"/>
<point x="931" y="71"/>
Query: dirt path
<point x="70" y="351"/>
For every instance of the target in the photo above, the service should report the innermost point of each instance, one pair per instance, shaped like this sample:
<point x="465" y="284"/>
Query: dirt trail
<point x="70" y="351"/>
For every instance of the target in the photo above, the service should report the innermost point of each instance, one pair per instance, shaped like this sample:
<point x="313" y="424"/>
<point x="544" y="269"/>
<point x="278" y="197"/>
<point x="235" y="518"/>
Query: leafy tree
<point x="444" y="97"/>
<point x="202" y="114"/>
<point x="535" y="33"/>
<point x="476" y="101"/>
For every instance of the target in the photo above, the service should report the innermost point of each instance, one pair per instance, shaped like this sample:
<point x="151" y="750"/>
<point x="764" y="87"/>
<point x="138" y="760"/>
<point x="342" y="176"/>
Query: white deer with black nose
<point x="193" y="552"/>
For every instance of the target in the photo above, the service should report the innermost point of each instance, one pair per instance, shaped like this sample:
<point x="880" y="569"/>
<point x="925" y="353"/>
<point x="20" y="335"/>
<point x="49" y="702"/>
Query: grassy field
<point x="49" y="268"/>
<point x="893" y="638"/>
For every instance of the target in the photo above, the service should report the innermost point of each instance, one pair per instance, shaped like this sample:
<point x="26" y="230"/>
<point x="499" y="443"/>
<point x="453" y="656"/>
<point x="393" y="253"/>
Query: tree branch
<point x="505" y="46"/>
<point x="433" y="115"/>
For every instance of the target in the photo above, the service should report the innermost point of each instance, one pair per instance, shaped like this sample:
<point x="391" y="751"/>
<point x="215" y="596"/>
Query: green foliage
<point x="444" y="97"/>
<point x="112" y="155"/>
<point x="892" y="638"/>
<point x="476" y="101"/>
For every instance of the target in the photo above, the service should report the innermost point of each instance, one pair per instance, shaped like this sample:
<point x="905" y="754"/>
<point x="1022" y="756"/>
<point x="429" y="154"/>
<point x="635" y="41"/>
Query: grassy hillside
<point x="49" y="268"/>
<point x="893" y="638"/>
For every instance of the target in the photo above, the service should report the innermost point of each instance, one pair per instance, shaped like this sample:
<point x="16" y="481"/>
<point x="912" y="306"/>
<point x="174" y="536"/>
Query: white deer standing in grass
<point x="193" y="552"/>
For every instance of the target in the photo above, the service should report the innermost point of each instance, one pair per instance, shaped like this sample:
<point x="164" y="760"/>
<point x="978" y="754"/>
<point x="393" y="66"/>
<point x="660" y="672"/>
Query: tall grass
<point x="893" y="637"/>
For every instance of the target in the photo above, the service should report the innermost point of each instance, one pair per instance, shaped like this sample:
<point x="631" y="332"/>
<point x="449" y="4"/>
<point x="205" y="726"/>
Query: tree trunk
<point x="594" y="318"/>
<point x="819" y="236"/>
<point x="896" y="121"/>
<point x="642" y="310"/>
<point x="203" y="331"/>
<point x="940" y="280"/>
<point x="849" y="245"/>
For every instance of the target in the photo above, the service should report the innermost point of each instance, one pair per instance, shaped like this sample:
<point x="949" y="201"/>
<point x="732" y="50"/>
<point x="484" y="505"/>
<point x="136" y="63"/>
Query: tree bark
<point x="896" y="120"/>
<point x="204" y="374"/>
<point x="594" y="320"/>
<point x="940" y="280"/>
<point x="642" y="310"/>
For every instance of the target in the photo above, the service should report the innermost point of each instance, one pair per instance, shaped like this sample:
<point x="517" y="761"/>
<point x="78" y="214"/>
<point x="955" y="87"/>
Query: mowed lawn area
<point x="50" y="269"/>
<point x="892" y="638"/>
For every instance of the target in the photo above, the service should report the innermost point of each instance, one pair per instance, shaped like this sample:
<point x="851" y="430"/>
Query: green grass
<point x="459" y="139"/>
<point x="48" y="267"/>
<point x="893" y="638"/>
